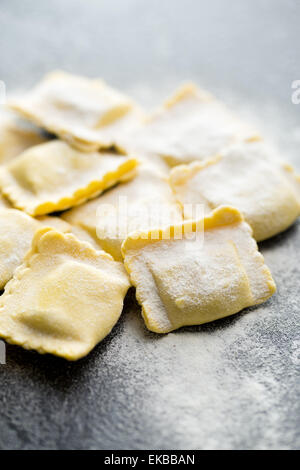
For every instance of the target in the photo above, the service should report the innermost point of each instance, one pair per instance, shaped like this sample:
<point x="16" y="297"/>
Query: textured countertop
<point x="230" y="384"/>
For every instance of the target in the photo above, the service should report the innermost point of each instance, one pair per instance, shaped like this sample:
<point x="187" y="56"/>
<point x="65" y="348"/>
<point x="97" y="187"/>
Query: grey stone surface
<point x="231" y="384"/>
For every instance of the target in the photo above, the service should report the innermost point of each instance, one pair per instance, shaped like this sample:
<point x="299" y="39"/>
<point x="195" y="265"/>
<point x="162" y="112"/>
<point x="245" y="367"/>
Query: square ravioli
<point x="197" y="272"/>
<point x="16" y="233"/>
<point x="247" y="176"/>
<point x="64" y="299"/>
<point x="15" y="137"/>
<point x="192" y="125"/>
<point x="54" y="176"/>
<point x="86" y="112"/>
<point x="142" y="203"/>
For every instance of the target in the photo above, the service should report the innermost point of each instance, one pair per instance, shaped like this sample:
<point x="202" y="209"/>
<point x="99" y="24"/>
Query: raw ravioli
<point x="247" y="176"/>
<point x="87" y="113"/>
<point x="64" y="298"/>
<point x="54" y="176"/>
<point x="192" y="125"/>
<point x="213" y="270"/>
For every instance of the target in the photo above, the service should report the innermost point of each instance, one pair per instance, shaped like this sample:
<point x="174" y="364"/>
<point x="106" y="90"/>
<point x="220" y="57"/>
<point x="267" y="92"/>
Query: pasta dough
<point x="15" y="138"/>
<point x="87" y="113"/>
<point x="193" y="280"/>
<point x="64" y="299"/>
<point x="144" y="202"/>
<point x="54" y="176"/>
<point x="248" y="177"/>
<point x="192" y="125"/>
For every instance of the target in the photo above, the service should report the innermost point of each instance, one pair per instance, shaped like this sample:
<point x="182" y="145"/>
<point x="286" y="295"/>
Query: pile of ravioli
<point x="70" y="149"/>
